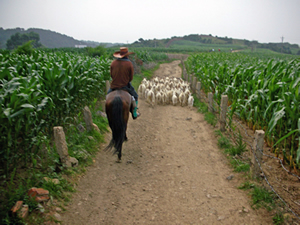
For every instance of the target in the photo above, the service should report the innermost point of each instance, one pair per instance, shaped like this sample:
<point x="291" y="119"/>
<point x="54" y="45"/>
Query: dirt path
<point x="172" y="172"/>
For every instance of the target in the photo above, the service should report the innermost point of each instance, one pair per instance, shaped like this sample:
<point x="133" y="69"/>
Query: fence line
<point x="209" y="100"/>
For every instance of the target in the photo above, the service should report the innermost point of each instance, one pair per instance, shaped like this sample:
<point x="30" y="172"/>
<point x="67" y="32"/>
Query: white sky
<point x="128" y="20"/>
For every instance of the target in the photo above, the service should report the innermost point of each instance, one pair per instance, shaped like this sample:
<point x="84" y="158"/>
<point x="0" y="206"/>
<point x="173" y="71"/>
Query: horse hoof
<point x="118" y="161"/>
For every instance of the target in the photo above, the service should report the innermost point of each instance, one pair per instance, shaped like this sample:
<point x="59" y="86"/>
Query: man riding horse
<point x="121" y="72"/>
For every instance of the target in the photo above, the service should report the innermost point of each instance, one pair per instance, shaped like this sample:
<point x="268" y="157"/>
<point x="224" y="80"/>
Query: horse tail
<point x="117" y="125"/>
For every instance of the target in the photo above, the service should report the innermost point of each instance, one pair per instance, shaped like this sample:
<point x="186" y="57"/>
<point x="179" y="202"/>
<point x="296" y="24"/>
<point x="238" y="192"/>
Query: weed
<point x="232" y="151"/>
<point x="202" y="107"/>
<point x="81" y="145"/>
<point x="246" y="186"/>
<point x="240" y="145"/>
<point x="261" y="197"/>
<point x="224" y="143"/>
<point x="239" y="166"/>
<point x="278" y="218"/>
<point x="218" y="133"/>
<point x="211" y="118"/>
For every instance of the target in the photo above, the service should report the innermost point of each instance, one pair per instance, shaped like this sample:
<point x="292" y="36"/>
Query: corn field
<point x="262" y="91"/>
<point x="41" y="91"/>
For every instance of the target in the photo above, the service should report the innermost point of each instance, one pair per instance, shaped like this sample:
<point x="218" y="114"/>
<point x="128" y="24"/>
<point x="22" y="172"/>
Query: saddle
<point x="133" y="103"/>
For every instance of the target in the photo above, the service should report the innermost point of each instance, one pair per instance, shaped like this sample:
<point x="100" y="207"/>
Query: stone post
<point x="62" y="148"/>
<point x="60" y="143"/>
<point x="88" y="118"/>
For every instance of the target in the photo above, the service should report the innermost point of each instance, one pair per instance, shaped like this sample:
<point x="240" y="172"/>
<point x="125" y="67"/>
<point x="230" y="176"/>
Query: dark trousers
<point x="129" y="88"/>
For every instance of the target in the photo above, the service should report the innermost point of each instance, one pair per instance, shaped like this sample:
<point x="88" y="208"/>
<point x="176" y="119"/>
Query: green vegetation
<point x="97" y="51"/>
<point x="48" y="39"/>
<point x="26" y="49"/>
<point x="211" y="118"/>
<point x="20" y="39"/>
<point x="232" y="151"/>
<point x="278" y="219"/>
<point x="201" y="106"/>
<point x="263" y="90"/>
<point x="260" y="196"/>
<point x="204" y="43"/>
<point x="82" y="145"/>
<point x="239" y="166"/>
<point x="213" y="74"/>
<point x="190" y="46"/>
<point x="40" y="90"/>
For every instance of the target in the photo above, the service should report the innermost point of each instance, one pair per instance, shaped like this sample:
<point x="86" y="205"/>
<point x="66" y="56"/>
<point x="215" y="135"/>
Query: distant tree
<point x="141" y="40"/>
<point x="298" y="53"/>
<point x="246" y="42"/>
<point x="20" y="39"/>
<point x="98" y="51"/>
<point x="25" y="48"/>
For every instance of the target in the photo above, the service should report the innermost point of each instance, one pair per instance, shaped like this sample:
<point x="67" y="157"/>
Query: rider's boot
<point x="135" y="114"/>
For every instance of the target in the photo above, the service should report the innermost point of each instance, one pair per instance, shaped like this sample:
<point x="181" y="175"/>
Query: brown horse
<point x="118" y="105"/>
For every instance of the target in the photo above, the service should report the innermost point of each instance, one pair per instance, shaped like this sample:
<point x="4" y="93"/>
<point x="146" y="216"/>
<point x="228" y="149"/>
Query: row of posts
<point x="256" y="156"/>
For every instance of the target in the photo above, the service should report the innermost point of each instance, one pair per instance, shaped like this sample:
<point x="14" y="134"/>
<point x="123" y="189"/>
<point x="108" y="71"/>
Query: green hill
<point x="196" y="42"/>
<point x="48" y="38"/>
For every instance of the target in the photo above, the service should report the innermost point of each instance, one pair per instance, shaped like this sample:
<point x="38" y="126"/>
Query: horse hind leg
<point x="119" y="156"/>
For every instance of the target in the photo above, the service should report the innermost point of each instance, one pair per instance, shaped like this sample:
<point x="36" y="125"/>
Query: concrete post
<point x="224" y="106"/>
<point x="194" y="83"/>
<point x="210" y="102"/>
<point x="257" y="153"/>
<point x="198" y="90"/>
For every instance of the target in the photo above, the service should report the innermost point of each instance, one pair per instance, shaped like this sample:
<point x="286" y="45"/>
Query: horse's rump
<point x="117" y="110"/>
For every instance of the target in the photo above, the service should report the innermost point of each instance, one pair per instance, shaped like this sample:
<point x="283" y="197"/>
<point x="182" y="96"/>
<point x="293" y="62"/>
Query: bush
<point x="26" y="49"/>
<point x="98" y="51"/>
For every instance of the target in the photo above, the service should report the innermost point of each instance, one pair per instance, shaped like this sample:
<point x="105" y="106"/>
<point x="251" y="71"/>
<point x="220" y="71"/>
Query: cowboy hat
<point x="122" y="53"/>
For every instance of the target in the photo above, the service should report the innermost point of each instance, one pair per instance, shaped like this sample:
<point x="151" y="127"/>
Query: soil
<point x="172" y="172"/>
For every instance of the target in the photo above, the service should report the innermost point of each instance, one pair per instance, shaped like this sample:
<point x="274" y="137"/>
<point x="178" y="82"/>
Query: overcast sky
<point x="128" y="20"/>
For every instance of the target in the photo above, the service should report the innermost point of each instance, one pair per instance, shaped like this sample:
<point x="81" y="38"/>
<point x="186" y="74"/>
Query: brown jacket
<point x="121" y="73"/>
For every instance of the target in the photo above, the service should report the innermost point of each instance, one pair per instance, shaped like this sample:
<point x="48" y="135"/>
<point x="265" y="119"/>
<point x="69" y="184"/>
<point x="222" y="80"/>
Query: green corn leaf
<point x="27" y="106"/>
<point x="286" y="136"/>
<point x="20" y="112"/>
<point x="7" y="112"/>
<point x="298" y="150"/>
<point x="296" y="82"/>
<point x="277" y="116"/>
